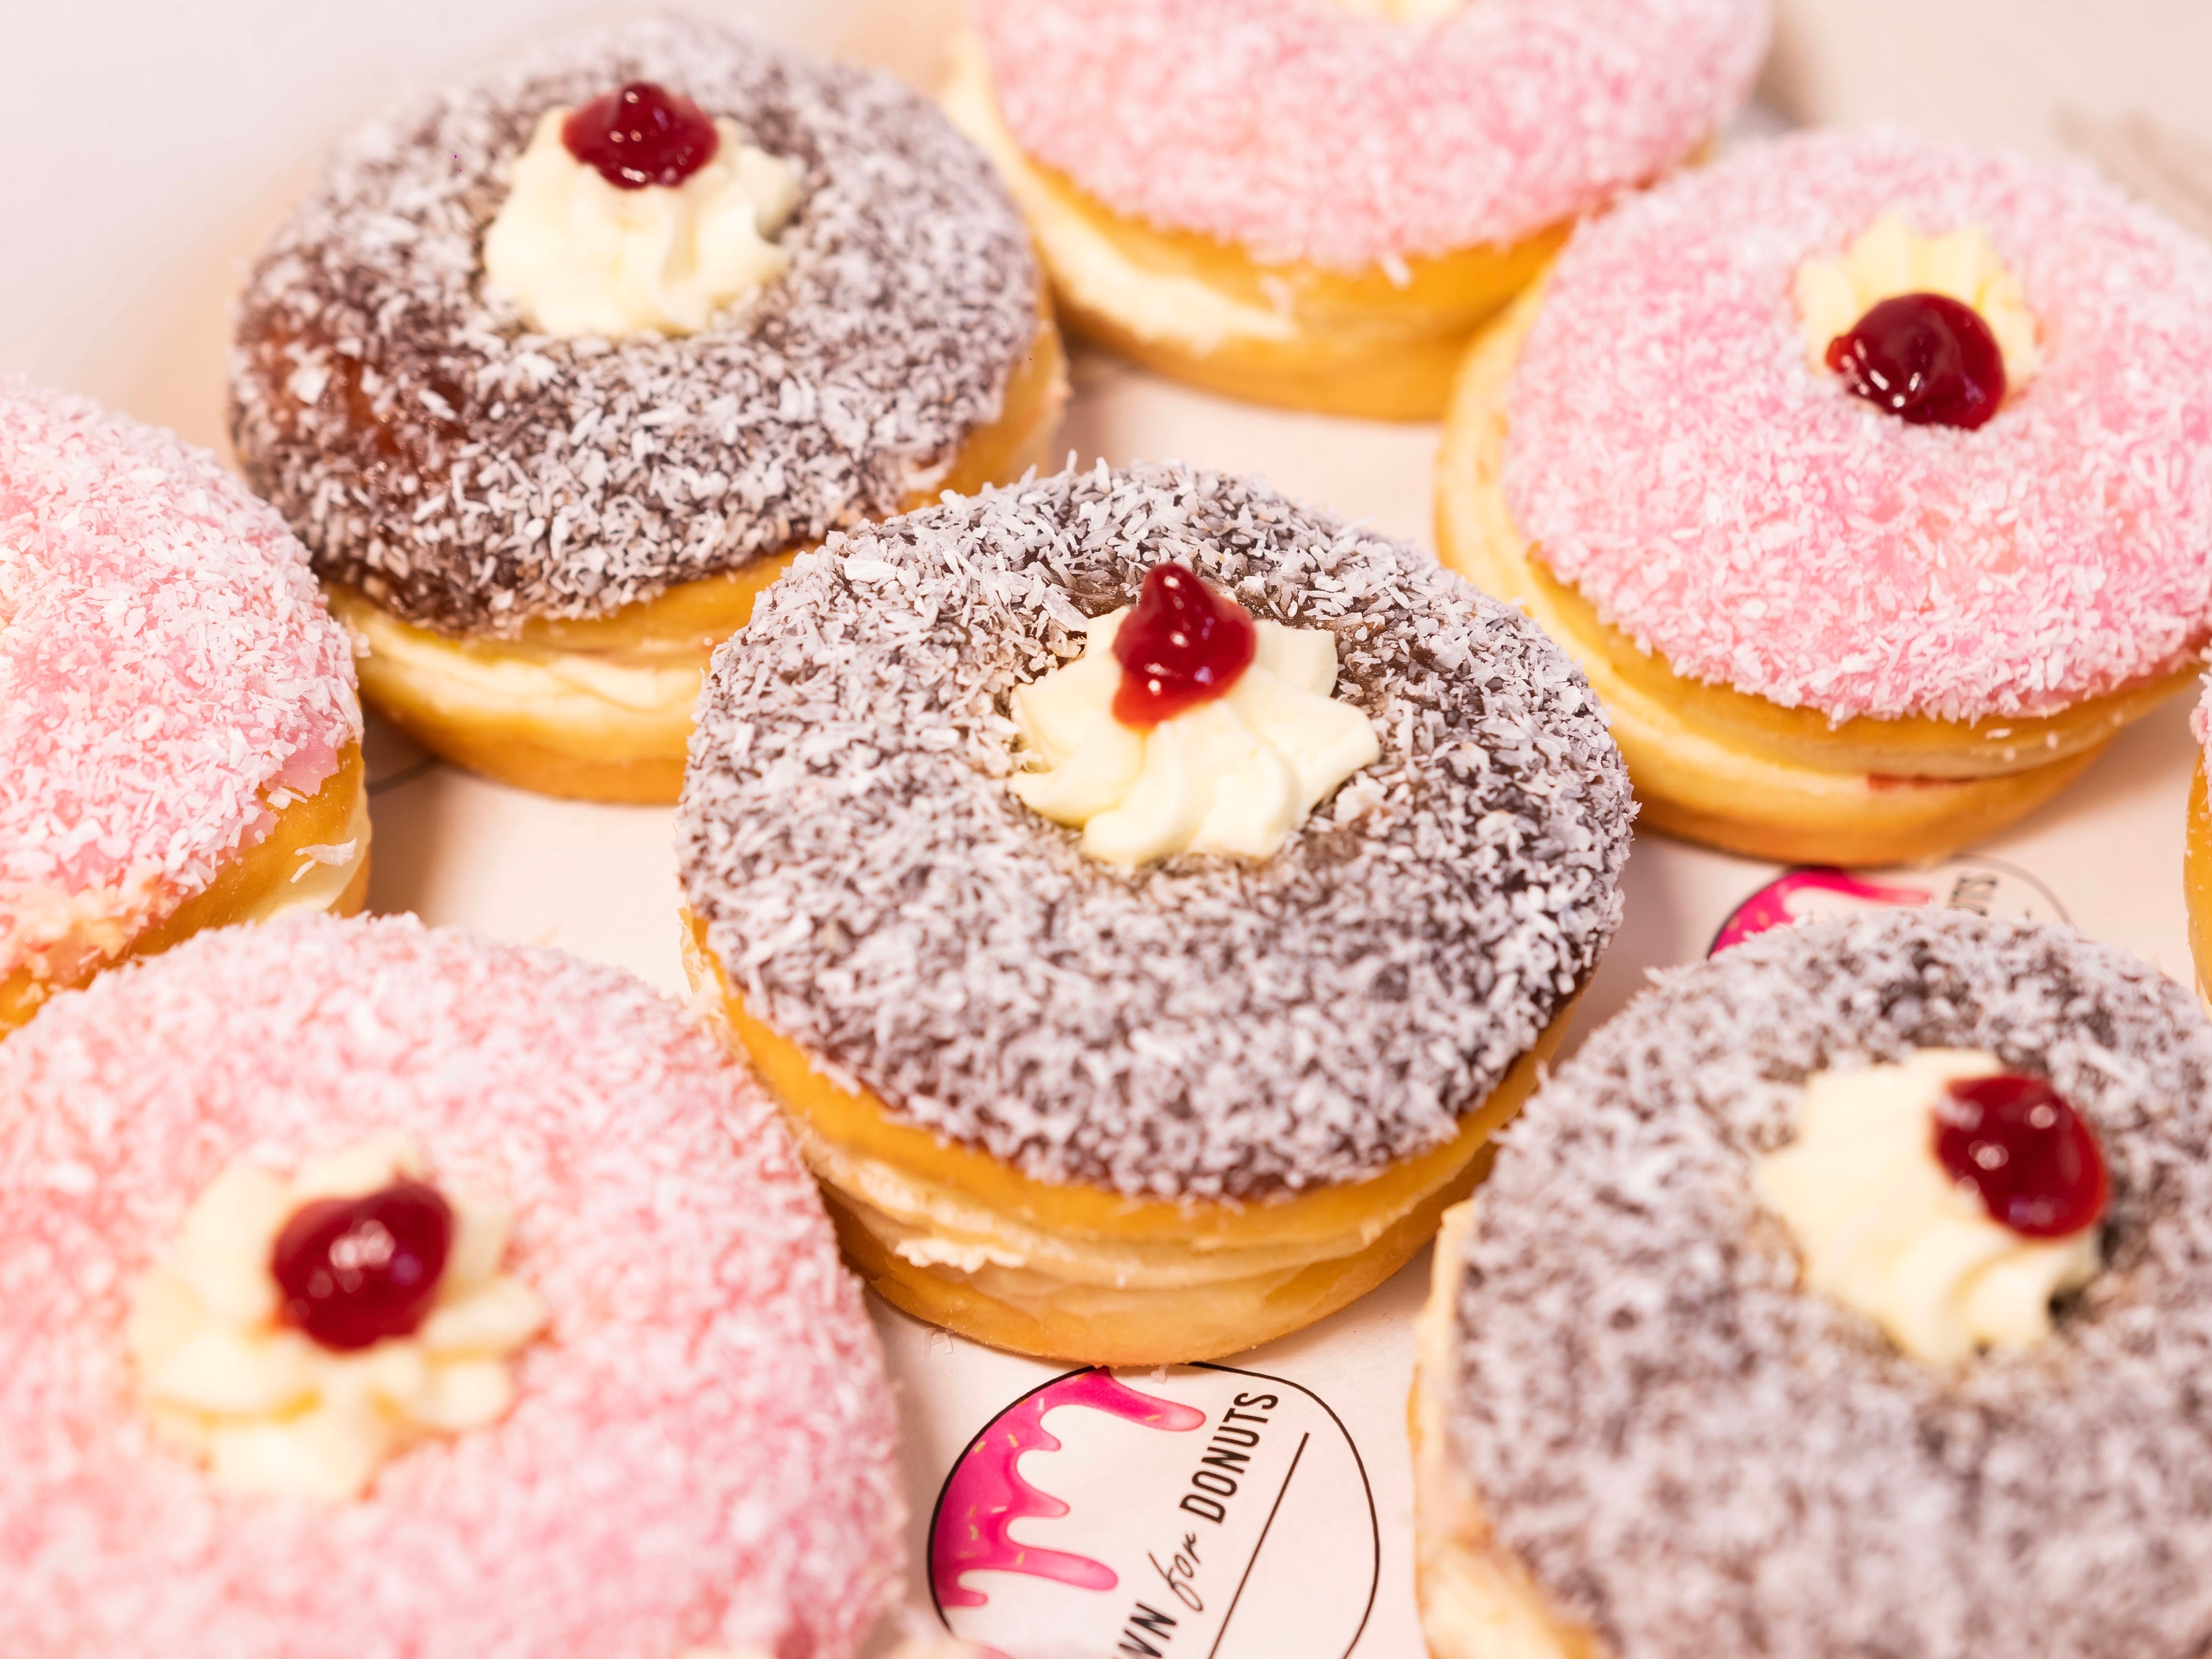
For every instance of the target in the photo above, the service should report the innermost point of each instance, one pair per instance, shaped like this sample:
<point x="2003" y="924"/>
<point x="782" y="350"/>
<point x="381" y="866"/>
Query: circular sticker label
<point x="1199" y="1510"/>
<point x="1988" y="887"/>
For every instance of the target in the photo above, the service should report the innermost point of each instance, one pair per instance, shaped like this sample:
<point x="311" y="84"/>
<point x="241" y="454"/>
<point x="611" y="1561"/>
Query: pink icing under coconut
<point x="701" y="1450"/>
<point x="1300" y="132"/>
<point x="165" y="659"/>
<point x="1678" y="460"/>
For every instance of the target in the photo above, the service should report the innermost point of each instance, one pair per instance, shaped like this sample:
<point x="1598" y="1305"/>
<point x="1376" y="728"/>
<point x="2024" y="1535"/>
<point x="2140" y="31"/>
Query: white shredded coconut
<point x="1695" y="1457"/>
<point x="1205" y="1027"/>
<point x="469" y="475"/>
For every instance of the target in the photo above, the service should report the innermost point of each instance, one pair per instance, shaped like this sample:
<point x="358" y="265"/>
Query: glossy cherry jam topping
<point x="356" y="1270"/>
<point x="1182" y="645"/>
<point x="1925" y="358"/>
<point x="2017" y="1143"/>
<point x="641" y="134"/>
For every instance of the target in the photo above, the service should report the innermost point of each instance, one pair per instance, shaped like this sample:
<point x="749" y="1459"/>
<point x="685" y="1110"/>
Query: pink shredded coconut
<point x="701" y="1453"/>
<point x="1679" y="461"/>
<point x="1299" y="132"/>
<point x="164" y="659"/>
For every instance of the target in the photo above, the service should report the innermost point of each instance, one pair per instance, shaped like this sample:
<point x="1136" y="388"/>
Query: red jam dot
<point x="2018" y="1144"/>
<point x="356" y="1270"/>
<point x="1925" y="358"/>
<point x="640" y="134"/>
<point x="1182" y="645"/>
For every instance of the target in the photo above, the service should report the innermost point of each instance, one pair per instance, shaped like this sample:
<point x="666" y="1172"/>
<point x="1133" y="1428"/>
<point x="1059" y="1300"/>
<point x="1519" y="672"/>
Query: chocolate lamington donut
<point x="1651" y="1427"/>
<point x="1287" y="1057"/>
<point x="465" y="476"/>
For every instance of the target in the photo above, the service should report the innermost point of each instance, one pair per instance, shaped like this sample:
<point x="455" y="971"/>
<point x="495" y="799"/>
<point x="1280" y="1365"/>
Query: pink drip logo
<point x="986" y="1493"/>
<point x="1984" y="886"/>
<point x="1198" y="1510"/>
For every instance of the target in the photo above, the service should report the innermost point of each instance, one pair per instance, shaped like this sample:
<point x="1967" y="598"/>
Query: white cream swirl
<point x="1889" y="259"/>
<point x="1235" y="775"/>
<point x="1881" y="1228"/>
<point x="269" y="1410"/>
<point x="578" y="256"/>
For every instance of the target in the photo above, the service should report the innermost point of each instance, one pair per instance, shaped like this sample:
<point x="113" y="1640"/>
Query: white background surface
<point x="151" y="148"/>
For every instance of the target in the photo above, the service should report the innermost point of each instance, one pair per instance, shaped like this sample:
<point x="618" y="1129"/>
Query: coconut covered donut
<point x="1830" y="628"/>
<point x="179" y="739"/>
<point x="1314" y="202"/>
<point x="1642" y="1432"/>
<point x="549" y="420"/>
<point x="1139" y="1108"/>
<point x="691" y="1446"/>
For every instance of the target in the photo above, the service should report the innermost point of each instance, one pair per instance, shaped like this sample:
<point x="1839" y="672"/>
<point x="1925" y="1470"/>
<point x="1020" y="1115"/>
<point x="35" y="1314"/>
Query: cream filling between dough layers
<point x="1095" y="276"/>
<point x="325" y="872"/>
<point x="930" y="1226"/>
<point x="557" y="685"/>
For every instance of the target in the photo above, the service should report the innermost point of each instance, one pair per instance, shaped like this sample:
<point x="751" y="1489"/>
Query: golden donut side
<point x="1080" y="1272"/>
<point x="1477" y="1601"/>
<point x="603" y="721"/>
<point x="252" y="884"/>
<point x="600" y="710"/>
<point x="1381" y="345"/>
<point x="2197" y="877"/>
<point x="1733" y="769"/>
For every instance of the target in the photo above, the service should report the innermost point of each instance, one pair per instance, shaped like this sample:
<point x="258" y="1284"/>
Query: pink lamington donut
<point x="1677" y="463"/>
<point x="172" y="696"/>
<point x="1305" y="140"/>
<point x="1299" y="131"/>
<point x="1827" y="633"/>
<point x="699" y="1455"/>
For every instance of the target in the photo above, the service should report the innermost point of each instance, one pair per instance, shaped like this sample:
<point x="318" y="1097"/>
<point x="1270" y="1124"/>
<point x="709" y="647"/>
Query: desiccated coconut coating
<point x="469" y="475"/>
<point x="1700" y="1460"/>
<point x="1676" y="458"/>
<point x="167" y="673"/>
<point x="1205" y="1027"/>
<point x="700" y="1454"/>
<point x="1299" y="132"/>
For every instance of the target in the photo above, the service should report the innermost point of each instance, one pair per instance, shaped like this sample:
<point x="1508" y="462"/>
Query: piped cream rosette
<point x="580" y="256"/>
<point x="265" y="1408"/>
<point x="1234" y="775"/>
<point x="1881" y="1228"/>
<point x="1889" y="260"/>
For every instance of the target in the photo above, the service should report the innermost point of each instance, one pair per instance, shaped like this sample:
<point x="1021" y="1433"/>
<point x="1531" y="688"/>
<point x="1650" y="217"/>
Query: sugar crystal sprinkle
<point x="1697" y="1458"/>
<point x="1205" y="1028"/>
<point x="509" y="475"/>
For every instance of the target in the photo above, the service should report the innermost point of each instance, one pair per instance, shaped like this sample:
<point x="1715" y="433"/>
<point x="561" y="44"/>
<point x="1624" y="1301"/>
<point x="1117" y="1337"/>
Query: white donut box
<point x="125" y="253"/>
